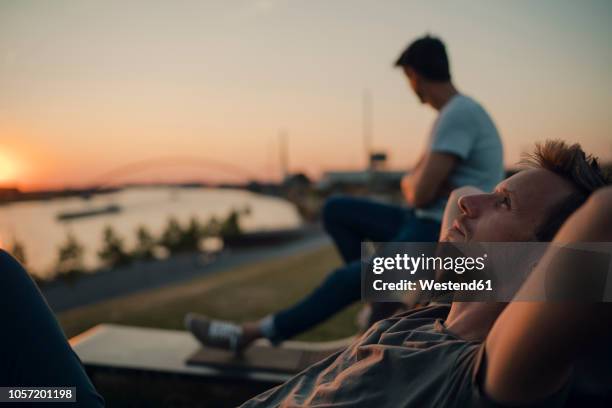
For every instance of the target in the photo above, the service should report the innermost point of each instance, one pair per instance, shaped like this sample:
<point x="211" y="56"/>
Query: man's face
<point x="513" y="212"/>
<point x="415" y="82"/>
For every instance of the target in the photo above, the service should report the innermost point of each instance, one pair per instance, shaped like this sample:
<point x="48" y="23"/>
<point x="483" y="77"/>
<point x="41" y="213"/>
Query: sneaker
<point x="215" y="333"/>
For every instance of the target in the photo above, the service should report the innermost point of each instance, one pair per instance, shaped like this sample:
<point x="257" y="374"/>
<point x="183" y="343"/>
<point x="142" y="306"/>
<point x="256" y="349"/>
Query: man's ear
<point x="410" y="73"/>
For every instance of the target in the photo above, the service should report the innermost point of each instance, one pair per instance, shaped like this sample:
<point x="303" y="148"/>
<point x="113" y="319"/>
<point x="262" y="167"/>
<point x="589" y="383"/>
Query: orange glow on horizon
<point x="9" y="170"/>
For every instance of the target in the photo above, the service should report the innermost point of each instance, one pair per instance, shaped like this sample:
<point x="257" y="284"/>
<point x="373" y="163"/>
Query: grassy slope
<point x="247" y="292"/>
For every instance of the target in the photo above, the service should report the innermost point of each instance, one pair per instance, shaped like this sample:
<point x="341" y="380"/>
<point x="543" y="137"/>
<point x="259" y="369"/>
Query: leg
<point x="414" y="230"/>
<point x="341" y="288"/>
<point x="338" y="290"/>
<point x="36" y="353"/>
<point x="350" y="220"/>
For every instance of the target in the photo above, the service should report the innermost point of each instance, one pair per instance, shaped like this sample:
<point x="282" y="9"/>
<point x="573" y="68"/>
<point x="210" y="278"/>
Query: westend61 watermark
<point x="491" y="271"/>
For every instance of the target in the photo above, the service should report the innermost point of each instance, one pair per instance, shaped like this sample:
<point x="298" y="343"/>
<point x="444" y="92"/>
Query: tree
<point x="213" y="227"/>
<point x="230" y="227"/>
<point x="191" y="236"/>
<point x="171" y="237"/>
<point x="70" y="257"/>
<point x="178" y="239"/>
<point x="145" y="244"/>
<point x="113" y="252"/>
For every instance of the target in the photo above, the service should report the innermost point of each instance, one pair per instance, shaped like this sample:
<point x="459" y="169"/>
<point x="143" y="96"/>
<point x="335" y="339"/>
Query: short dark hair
<point x="427" y="56"/>
<point x="574" y="165"/>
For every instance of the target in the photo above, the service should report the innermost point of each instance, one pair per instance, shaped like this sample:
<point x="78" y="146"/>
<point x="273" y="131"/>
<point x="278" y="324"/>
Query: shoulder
<point x="464" y="106"/>
<point x="460" y="109"/>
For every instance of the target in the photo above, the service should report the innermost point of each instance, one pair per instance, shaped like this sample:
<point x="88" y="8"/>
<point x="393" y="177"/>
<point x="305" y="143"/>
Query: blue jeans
<point x="33" y="349"/>
<point x="350" y="221"/>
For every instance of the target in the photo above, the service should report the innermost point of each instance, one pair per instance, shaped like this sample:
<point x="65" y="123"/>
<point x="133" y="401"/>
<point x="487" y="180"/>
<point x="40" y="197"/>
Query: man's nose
<point x="472" y="205"/>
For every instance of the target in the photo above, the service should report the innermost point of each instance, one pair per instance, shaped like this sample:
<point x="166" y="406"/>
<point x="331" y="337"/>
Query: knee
<point x="21" y="294"/>
<point x="332" y="210"/>
<point x="346" y="277"/>
<point x="12" y="269"/>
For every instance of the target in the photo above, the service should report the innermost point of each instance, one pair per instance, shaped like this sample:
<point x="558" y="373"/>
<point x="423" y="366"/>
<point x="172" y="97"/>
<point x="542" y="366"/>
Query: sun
<point x="8" y="169"/>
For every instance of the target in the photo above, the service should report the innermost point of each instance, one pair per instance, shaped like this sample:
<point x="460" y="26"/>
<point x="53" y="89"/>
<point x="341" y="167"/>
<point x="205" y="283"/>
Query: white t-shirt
<point x="463" y="128"/>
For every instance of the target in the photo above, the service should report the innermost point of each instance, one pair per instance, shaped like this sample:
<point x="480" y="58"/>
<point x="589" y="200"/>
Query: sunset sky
<point x="89" y="86"/>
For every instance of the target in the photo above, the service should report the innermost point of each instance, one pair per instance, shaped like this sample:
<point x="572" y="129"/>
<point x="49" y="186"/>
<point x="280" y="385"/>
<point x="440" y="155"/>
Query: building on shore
<point x="376" y="178"/>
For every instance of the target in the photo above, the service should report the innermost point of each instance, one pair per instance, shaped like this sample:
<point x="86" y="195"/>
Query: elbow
<point x="601" y="200"/>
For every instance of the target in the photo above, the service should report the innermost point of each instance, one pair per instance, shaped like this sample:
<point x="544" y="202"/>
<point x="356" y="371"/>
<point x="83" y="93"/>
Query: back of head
<point x="574" y="165"/>
<point x="427" y="56"/>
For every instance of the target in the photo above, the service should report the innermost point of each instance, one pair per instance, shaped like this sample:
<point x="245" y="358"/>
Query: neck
<point x="439" y="93"/>
<point x="473" y="320"/>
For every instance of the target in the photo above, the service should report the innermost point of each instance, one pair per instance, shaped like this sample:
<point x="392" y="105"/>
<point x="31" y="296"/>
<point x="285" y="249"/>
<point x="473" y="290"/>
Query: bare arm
<point x="429" y="178"/>
<point x="419" y="163"/>
<point x="532" y="346"/>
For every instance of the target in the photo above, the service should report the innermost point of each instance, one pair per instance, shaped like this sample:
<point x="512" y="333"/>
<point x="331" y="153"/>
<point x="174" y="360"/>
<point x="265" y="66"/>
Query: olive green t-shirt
<point x="409" y="360"/>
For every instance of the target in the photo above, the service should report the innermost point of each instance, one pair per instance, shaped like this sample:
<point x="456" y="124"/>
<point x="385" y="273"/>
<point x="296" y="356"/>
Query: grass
<point x="244" y="293"/>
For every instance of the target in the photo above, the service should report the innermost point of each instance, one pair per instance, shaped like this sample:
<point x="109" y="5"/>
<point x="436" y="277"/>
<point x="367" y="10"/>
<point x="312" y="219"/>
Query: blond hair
<point x="572" y="164"/>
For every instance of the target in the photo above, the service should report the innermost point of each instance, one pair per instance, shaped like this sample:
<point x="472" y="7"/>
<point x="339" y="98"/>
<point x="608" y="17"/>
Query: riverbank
<point x="240" y="293"/>
<point x="101" y="285"/>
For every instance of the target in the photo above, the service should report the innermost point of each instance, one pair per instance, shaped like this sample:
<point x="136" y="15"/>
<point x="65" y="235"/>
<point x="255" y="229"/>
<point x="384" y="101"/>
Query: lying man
<point x="464" y="148"/>
<point x="478" y="353"/>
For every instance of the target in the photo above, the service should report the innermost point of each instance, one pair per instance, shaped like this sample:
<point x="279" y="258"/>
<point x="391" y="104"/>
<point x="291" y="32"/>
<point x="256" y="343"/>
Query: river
<point x="34" y="224"/>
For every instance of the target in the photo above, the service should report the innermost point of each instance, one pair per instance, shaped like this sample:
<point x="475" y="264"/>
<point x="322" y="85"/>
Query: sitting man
<point x="473" y="354"/>
<point x="464" y="148"/>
